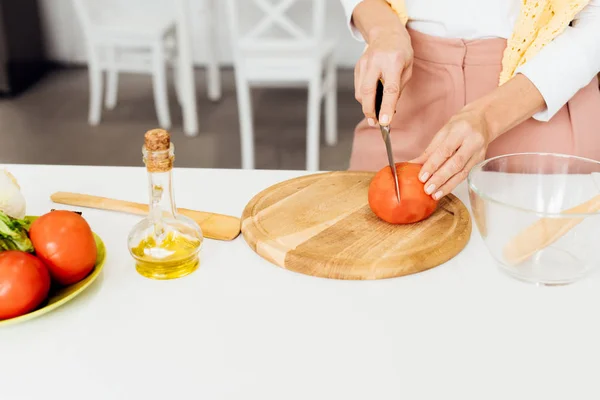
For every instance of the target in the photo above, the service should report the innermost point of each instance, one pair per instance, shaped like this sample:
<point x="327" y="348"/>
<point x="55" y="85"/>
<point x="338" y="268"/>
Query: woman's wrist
<point x="387" y="31"/>
<point x="508" y="105"/>
<point x="374" y="18"/>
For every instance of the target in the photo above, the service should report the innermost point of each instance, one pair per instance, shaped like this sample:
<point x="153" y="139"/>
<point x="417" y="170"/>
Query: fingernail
<point x="424" y="177"/>
<point x="430" y="189"/>
<point x="371" y="122"/>
<point x="384" y="119"/>
<point x="437" y="195"/>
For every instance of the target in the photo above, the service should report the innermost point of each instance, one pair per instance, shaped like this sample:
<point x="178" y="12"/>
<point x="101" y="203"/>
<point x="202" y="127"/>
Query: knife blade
<point x="385" y="133"/>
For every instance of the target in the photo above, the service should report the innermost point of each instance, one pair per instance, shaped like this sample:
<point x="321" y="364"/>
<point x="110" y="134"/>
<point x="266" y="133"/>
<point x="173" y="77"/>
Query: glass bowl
<point x="538" y="214"/>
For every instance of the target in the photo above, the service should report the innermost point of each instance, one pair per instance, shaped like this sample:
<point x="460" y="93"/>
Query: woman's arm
<point x="366" y="18"/>
<point x="349" y="6"/>
<point x="508" y="105"/>
<point x="539" y="89"/>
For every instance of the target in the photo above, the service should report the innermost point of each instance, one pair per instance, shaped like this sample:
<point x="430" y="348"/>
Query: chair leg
<point x="177" y="81"/>
<point x="112" y="81"/>
<point x="159" y="77"/>
<point x="313" y="125"/>
<point x="245" y="117"/>
<point x="214" y="79"/>
<point x="331" y="136"/>
<point x="213" y="73"/>
<point x="95" y="78"/>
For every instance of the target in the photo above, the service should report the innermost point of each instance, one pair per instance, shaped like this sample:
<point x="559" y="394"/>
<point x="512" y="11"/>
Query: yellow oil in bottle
<point x="176" y="256"/>
<point x="165" y="245"/>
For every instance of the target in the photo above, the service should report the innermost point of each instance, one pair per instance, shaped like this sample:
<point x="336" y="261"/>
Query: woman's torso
<point x="465" y="19"/>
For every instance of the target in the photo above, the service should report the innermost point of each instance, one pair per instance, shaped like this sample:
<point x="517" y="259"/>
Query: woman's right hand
<point x="389" y="57"/>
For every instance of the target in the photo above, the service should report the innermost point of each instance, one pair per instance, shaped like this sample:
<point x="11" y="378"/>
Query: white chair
<point x="301" y="56"/>
<point x="206" y="10"/>
<point x="137" y="37"/>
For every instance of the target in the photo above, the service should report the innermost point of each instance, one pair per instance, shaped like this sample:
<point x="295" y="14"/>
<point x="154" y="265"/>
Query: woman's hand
<point x="454" y="150"/>
<point x="463" y="141"/>
<point x="389" y="57"/>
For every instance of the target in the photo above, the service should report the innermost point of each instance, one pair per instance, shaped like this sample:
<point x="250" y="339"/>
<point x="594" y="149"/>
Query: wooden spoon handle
<point x="214" y="226"/>
<point x="546" y="231"/>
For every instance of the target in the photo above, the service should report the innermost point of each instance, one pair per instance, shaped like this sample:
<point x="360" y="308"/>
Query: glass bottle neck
<point x="162" y="201"/>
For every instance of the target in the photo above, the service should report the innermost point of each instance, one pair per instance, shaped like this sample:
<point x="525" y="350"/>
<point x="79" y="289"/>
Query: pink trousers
<point x="450" y="73"/>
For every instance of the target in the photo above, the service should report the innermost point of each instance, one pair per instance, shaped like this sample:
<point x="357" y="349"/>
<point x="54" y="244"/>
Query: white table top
<point x="241" y="328"/>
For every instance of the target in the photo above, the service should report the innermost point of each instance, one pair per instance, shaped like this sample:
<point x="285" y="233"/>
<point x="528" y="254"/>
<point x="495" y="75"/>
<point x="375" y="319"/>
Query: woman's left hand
<point x="454" y="150"/>
<point x="463" y="142"/>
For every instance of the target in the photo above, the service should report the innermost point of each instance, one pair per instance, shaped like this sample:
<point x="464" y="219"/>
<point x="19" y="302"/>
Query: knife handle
<point x="378" y="98"/>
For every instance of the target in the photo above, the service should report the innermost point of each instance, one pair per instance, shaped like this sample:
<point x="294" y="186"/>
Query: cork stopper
<point x="157" y="140"/>
<point x="158" y="150"/>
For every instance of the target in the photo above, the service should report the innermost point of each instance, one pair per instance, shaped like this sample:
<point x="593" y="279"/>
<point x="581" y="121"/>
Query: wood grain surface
<point x="321" y="225"/>
<point x="214" y="226"/>
<point x="546" y="231"/>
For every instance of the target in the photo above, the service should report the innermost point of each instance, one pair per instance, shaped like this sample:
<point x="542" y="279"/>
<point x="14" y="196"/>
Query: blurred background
<point x="264" y="84"/>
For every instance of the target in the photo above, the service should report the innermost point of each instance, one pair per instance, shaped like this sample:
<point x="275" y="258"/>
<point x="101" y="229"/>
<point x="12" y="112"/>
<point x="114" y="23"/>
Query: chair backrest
<point x="84" y="14"/>
<point x="276" y="23"/>
<point x="97" y="13"/>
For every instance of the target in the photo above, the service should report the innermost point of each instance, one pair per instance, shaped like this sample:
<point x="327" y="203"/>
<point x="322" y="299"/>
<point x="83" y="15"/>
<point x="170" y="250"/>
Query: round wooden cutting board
<point x="322" y="225"/>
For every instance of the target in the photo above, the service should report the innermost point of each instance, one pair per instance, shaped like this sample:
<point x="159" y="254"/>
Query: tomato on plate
<point x="64" y="241"/>
<point x="415" y="205"/>
<point x="24" y="283"/>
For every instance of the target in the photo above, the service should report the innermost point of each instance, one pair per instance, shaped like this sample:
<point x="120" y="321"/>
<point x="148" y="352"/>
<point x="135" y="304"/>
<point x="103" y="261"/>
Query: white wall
<point x="64" y="39"/>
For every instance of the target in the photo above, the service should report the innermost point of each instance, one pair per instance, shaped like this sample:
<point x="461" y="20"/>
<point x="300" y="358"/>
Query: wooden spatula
<point x="546" y="231"/>
<point x="214" y="226"/>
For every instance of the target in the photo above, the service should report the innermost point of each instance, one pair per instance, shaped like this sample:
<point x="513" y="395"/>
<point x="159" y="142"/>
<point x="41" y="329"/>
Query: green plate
<point x="60" y="295"/>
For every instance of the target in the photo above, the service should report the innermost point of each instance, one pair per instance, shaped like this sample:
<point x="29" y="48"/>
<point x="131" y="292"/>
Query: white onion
<point x="12" y="201"/>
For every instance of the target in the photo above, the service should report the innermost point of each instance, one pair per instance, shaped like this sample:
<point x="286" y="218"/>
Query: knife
<point x="385" y="133"/>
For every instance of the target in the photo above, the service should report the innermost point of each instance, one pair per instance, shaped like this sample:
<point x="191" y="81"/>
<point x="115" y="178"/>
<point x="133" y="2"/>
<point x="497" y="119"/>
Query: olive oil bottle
<point x="164" y="245"/>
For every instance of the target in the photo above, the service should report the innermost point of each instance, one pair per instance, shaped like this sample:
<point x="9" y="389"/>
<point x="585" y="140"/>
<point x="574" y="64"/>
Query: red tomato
<point x="415" y="205"/>
<point x="24" y="283"/>
<point x="64" y="241"/>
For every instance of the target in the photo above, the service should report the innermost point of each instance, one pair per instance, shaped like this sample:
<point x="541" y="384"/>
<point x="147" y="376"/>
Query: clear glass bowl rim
<point x="480" y="165"/>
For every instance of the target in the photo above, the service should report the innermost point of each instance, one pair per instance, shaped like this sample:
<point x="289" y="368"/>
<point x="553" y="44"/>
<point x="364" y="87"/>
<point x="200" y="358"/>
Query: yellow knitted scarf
<point x="539" y="22"/>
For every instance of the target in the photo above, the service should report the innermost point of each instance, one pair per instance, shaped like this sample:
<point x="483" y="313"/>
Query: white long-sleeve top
<point x="559" y="70"/>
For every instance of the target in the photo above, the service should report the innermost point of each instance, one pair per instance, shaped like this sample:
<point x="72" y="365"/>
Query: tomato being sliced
<point x="415" y="205"/>
<point x="64" y="241"/>
<point x="24" y="283"/>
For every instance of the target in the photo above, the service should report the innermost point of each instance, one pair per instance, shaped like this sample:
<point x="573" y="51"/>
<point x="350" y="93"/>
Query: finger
<point x="406" y="75"/>
<point x="450" y="168"/>
<point x="391" y="93"/>
<point x="457" y="179"/>
<point x="429" y="150"/>
<point x="419" y="160"/>
<point x="442" y="152"/>
<point x="368" y="89"/>
<point x="427" y="153"/>
<point x="358" y="72"/>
